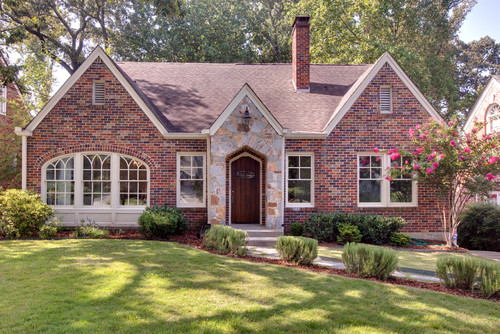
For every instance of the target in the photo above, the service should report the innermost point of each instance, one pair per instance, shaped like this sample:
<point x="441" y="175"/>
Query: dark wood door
<point x="245" y="186"/>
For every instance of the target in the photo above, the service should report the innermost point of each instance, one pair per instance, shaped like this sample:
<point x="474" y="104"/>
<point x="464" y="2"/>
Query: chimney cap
<point x="301" y="20"/>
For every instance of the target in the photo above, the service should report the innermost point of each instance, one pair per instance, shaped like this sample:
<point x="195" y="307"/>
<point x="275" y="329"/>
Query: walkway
<point x="495" y="256"/>
<point x="270" y="252"/>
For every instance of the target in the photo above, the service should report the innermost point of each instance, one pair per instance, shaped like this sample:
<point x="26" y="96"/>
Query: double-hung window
<point x="300" y="180"/>
<point x="375" y="190"/>
<point x="191" y="180"/>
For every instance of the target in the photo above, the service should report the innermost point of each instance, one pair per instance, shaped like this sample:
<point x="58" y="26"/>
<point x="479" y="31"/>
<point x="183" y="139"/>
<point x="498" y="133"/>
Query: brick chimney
<point x="300" y="53"/>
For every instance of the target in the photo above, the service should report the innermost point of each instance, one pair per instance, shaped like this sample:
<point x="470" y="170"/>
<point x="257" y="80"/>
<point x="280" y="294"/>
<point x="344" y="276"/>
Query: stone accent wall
<point x="362" y="128"/>
<point x="120" y="126"/>
<point x="262" y="139"/>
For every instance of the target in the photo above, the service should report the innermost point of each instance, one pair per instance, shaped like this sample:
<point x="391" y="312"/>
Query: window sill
<point x="189" y="206"/>
<point x="379" y="205"/>
<point x="299" y="206"/>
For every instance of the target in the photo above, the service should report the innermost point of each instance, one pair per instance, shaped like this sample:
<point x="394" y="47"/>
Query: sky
<point x="483" y="20"/>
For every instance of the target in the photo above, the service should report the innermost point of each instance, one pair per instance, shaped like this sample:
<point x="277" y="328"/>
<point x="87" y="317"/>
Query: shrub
<point x="480" y="227"/>
<point x="296" y="229"/>
<point x="226" y="240"/>
<point x="458" y="272"/>
<point x="298" y="250"/>
<point x="369" y="261"/>
<point x="400" y="240"/>
<point x="161" y="222"/>
<point x="489" y="279"/>
<point x="50" y="229"/>
<point x="348" y="233"/>
<point x="22" y="213"/>
<point x="91" y="230"/>
<point x="374" y="229"/>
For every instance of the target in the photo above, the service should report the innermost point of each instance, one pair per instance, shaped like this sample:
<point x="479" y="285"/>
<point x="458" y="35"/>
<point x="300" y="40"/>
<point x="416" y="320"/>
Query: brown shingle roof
<point x="190" y="96"/>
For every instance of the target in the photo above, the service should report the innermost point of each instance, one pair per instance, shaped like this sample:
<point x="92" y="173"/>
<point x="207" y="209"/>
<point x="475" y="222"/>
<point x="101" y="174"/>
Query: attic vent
<point x="385" y="100"/>
<point x="98" y="93"/>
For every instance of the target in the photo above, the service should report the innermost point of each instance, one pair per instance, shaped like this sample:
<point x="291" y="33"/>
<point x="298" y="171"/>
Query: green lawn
<point x="408" y="259"/>
<point x="69" y="286"/>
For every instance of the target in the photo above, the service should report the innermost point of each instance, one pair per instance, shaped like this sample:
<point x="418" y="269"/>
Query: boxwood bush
<point x="226" y="240"/>
<point x="298" y="250"/>
<point x="296" y="229"/>
<point x="369" y="261"/>
<point x="22" y="213"/>
<point x="480" y="227"/>
<point x="348" y="233"/>
<point x="161" y="222"/>
<point x="374" y="229"/>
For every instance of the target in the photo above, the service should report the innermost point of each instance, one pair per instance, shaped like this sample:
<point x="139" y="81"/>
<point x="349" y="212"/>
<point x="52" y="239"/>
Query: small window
<point x="385" y="100"/>
<point x="370" y="179"/>
<point x="300" y="172"/>
<point x="98" y="93"/>
<point x="190" y="180"/>
<point x="3" y="102"/>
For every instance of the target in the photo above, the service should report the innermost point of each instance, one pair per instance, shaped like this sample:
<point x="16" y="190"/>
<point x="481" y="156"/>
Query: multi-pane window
<point x="370" y="178"/>
<point x="493" y="118"/>
<point x="96" y="179"/>
<point x="133" y="182"/>
<point x="59" y="182"/>
<point x="299" y="180"/>
<point x="3" y="100"/>
<point x="374" y="189"/>
<point x="401" y="187"/>
<point x="190" y="180"/>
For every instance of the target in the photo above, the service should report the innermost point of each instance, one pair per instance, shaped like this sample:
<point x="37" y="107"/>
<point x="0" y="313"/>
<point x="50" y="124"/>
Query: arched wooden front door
<point x="245" y="189"/>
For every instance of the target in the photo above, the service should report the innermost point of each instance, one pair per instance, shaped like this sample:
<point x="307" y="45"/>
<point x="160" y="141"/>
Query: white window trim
<point x="3" y="106"/>
<point x="385" y="187"/>
<point x="94" y="102"/>
<point x="178" y="180"/>
<point x="78" y="181"/>
<point x="390" y="99"/>
<point x="299" y="205"/>
<point x="490" y="118"/>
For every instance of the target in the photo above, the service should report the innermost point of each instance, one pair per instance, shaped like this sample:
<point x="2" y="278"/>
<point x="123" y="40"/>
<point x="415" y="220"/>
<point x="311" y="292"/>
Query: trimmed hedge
<point x="226" y="240"/>
<point x="369" y="261"/>
<point x="480" y="227"/>
<point x="298" y="250"/>
<point x="400" y="240"/>
<point x="374" y="229"/>
<point x="296" y="229"/>
<point x="161" y="222"/>
<point x="348" y="233"/>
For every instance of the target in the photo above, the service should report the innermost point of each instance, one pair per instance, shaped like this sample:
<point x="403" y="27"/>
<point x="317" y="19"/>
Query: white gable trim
<point x="98" y="52"/>
<point x="357" y="90"/>
<point x="246" y="90"/>
<point x="479" y="103"/>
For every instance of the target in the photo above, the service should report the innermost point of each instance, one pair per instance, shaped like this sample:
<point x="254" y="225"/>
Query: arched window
<point x="493" y="118"/>
<point x="102" y="180"/>
<point x="59" y="182"/>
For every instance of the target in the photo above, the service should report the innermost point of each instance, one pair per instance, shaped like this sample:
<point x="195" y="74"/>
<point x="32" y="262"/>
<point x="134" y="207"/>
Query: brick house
<point x="228" y="143"/>
<point x="487" y="110"/>
<point x="9" y="98"/>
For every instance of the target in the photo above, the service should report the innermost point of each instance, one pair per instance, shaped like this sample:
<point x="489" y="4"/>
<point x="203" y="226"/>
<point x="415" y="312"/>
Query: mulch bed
<point x="436" y="245"/>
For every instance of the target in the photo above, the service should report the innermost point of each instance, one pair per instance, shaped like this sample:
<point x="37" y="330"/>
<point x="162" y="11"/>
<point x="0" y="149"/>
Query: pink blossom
<point x="417" y="126"/>
<point x="455" y="133"/>
<point x="492" y="160"/>
<point x="406" y="162"/>
<point x="412" y="133"/>
<point x="431" y="156"/>
<point x="490" y="176"/>
<point x="467" y="150"/>
<point x="378" y="159"/>
<point x="395" y="156"/>
<point x="389" y="178"/>
<point x="389" y="152"/>
<point x="450" y="123"/>
<point x="419" y="150"/>
<point x="422" y="136"/>
<point x="462" y="157"/>
<point x="435" y="164"/>
<point x="416" y="167"/>
<point x="441" y="156"/>
<point x="474" y="130"/>
<point x="494" y="196"/>
<point x="453" y="143"/>
<point x="429" y="170"/>
<point x="375" y="149"/>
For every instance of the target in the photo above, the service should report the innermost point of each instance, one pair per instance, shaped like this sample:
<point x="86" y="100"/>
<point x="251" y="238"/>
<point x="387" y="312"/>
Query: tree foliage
<point x="458" y="167"/>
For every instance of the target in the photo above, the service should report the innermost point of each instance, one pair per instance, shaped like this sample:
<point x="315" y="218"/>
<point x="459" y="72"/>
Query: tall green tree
<point x="476" y="61"/>
<point x="418" y="33"/>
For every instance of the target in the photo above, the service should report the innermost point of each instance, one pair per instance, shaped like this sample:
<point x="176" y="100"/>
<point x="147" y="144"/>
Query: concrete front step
<point x="259" y="235"/>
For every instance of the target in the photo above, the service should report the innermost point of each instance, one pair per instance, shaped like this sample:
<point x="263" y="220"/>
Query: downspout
<point x="209" y="153"/>
<point x="24" y="154"/>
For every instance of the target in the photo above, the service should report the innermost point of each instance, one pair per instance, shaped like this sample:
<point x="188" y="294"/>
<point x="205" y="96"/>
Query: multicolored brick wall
<point x="120" y="126"/>
<point x="361" y="129"/>
<point x="490" y="98"/>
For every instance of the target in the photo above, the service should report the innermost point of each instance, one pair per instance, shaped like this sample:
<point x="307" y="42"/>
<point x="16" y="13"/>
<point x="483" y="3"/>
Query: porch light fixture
<point x="246" y="119"/>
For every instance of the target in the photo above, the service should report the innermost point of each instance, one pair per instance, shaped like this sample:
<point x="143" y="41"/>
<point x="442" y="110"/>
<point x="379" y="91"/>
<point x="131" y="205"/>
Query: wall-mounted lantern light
<point x="246" y="120"/>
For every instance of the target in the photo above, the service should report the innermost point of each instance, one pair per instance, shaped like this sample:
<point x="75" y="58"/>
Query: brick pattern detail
<point x="120" y="126"/>
<point x="362" y="128"/>
<point x="300" y="53"/>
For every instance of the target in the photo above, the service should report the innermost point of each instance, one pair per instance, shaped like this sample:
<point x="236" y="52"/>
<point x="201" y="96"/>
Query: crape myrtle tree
<point x="458" y="166"/>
